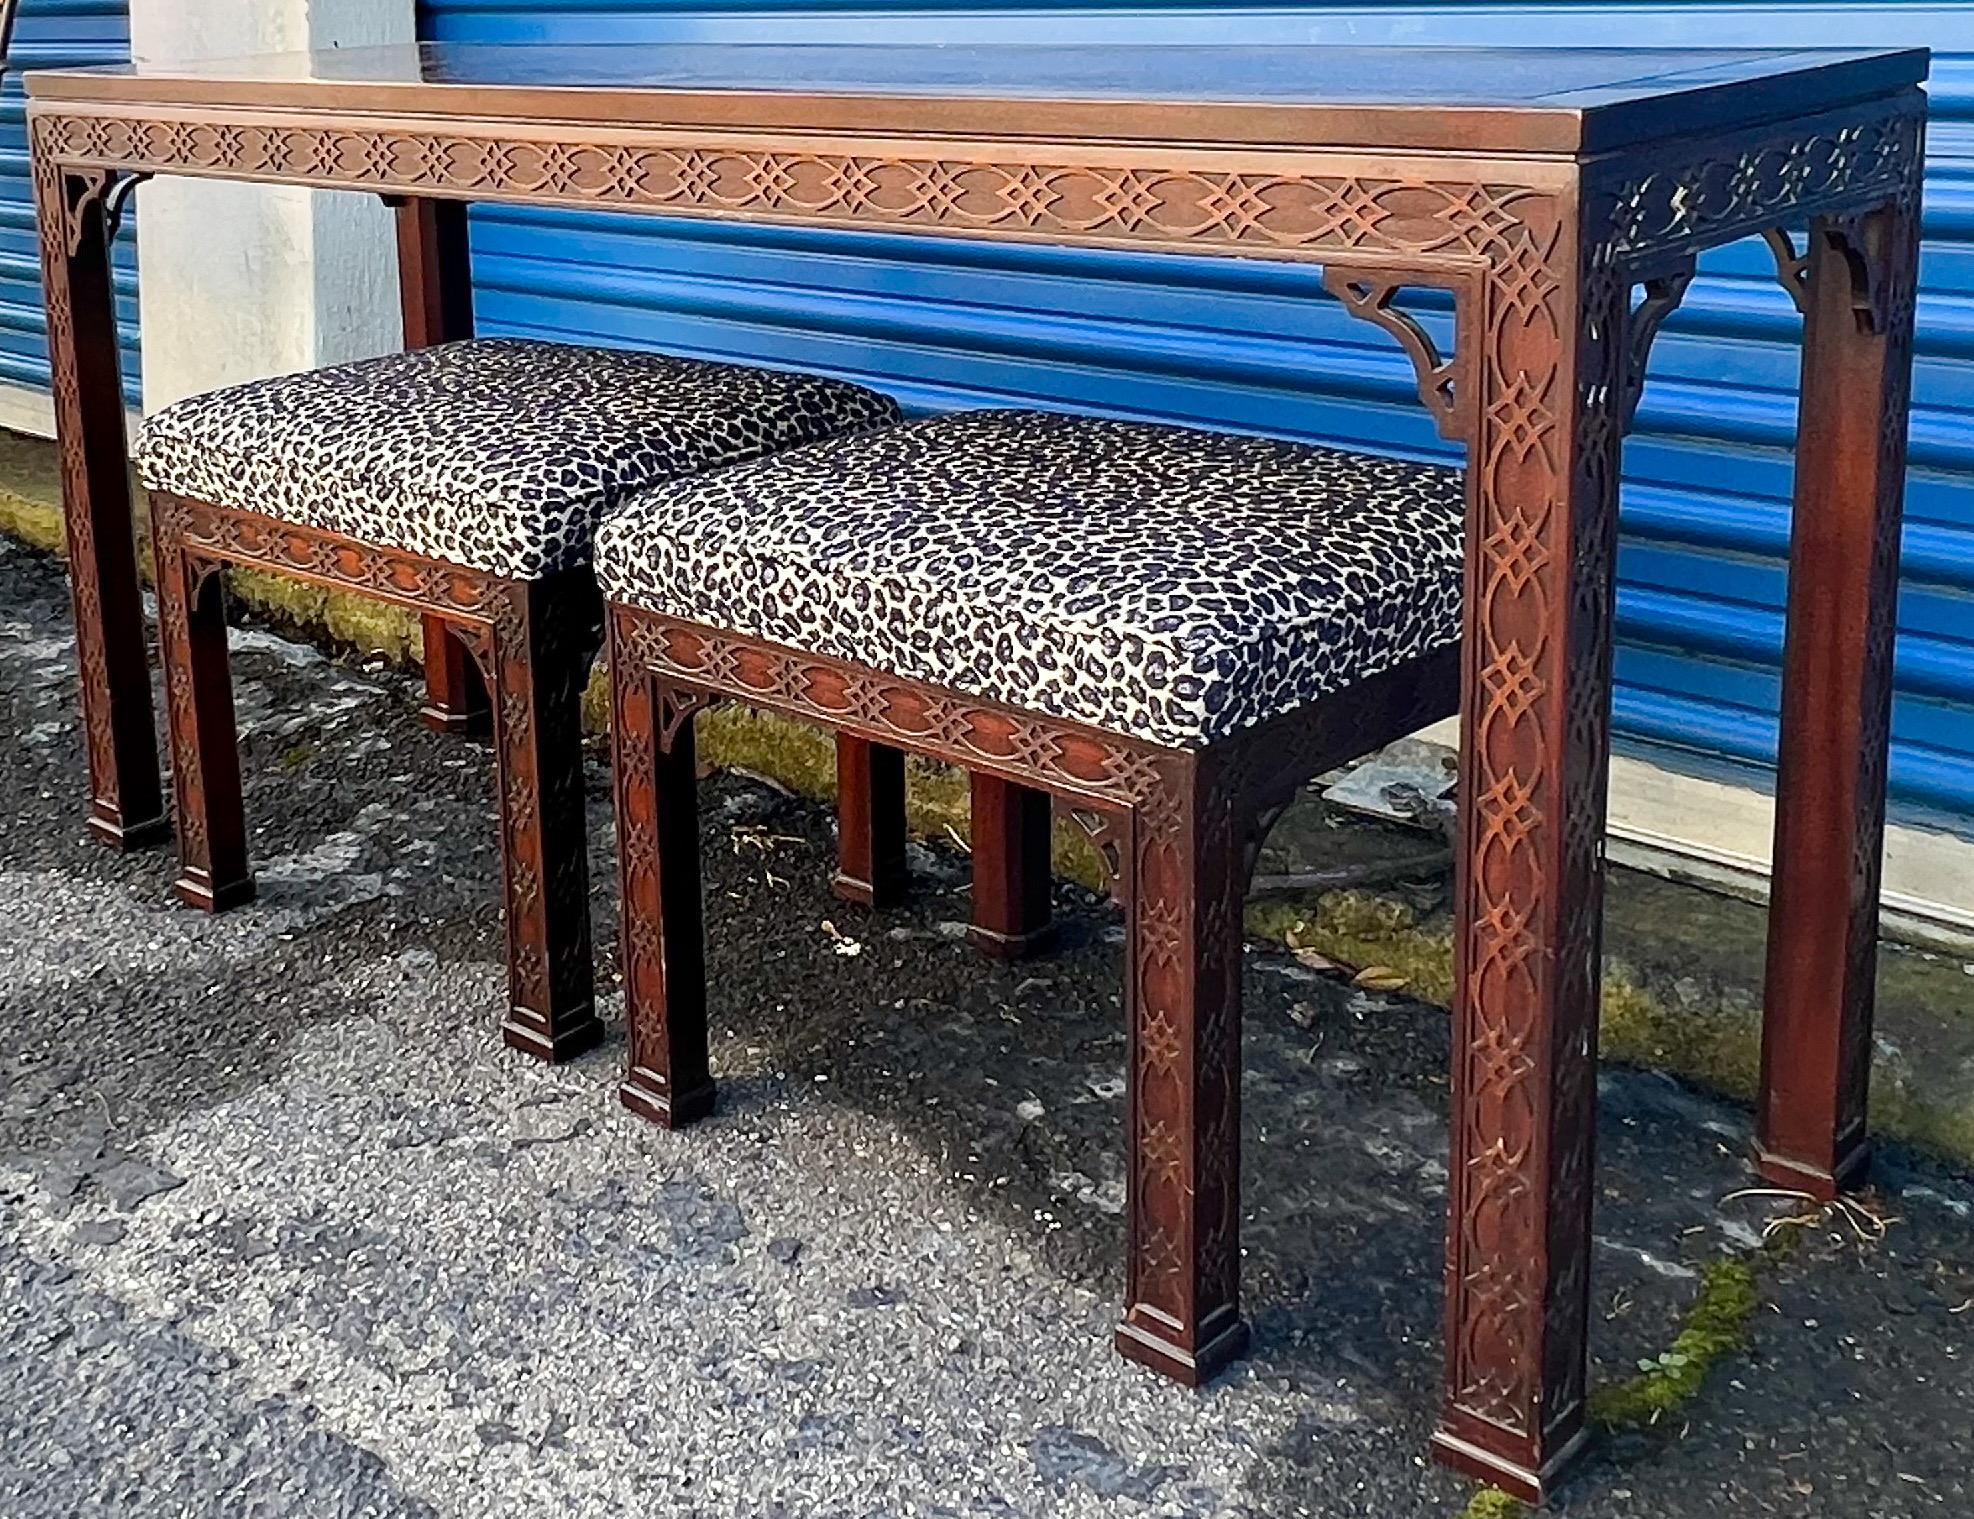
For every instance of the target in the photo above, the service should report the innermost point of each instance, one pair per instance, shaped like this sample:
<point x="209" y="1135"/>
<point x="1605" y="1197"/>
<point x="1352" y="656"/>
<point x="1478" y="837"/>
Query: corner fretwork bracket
<point x="1851" y="236"/>
<point x="90" y="190"/>
<point x="1442" y="381"/>
<point x="1107" y="834"/>
<point x="1664" y="291"/>
<point x="678" y="705"/>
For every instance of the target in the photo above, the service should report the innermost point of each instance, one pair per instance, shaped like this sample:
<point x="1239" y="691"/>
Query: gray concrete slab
<point x="283" y="1231"/>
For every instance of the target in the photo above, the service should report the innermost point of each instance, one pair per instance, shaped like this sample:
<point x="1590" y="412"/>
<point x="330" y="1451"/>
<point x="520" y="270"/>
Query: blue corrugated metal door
<point x="51" y="34"/>
<point x="1252" y="346"/>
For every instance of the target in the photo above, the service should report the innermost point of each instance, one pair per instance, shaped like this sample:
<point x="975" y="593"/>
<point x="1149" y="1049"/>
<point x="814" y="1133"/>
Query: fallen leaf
<point x="1380" y="978"/>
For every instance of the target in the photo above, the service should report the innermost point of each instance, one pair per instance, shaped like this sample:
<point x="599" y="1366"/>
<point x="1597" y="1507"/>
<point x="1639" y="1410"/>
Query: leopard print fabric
<point x="1170" y="584"/>
<point x="495" y="454"/>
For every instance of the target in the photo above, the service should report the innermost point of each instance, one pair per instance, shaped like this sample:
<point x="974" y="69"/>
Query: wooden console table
<point x="1545" y="189"/>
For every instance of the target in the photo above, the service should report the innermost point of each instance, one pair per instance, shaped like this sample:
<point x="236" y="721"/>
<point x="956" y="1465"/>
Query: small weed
<point x="1715" y="1325"/>
<point x="1492" y="1503"/>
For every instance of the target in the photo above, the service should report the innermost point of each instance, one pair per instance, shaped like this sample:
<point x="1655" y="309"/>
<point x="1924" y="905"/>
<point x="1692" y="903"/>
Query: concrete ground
<point x="283" y="1231"/>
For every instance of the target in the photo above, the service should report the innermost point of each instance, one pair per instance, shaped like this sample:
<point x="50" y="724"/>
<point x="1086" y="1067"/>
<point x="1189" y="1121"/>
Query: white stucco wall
<point x="240" y="281"/>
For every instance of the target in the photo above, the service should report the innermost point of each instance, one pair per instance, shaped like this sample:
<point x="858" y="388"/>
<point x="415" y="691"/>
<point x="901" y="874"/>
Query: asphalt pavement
<point x="285" y="1232"/>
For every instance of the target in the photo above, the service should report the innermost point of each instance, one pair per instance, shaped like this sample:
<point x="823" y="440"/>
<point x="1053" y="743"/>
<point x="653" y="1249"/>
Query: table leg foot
<point x="572" y="1035"/>
<point x="1013" y="839"/>
<point x="197" y="889"/>
<point x="870" y="811"/>
<point x="1148" y="1340"/>
<point x="1000" y="946"/>
<point x="1530" y="1484"/>
<point x="455" y="695"/>
<point x="649" y="1095"/>
<point x="1824" y="1184"/>
<point x="127" y="837"/>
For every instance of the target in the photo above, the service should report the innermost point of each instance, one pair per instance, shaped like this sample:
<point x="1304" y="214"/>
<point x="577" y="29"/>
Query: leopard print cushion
<point x="495" y="454"/>
<point x="1162" y="582"/>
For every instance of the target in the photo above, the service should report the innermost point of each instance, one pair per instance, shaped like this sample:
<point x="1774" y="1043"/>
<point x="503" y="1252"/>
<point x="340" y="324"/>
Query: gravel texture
<point x="284" y="1231"/>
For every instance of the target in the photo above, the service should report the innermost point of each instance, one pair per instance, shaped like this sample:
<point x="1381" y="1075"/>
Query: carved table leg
<point x="1012" y="845"/>
<point x="543" y="640"/>
<point x="435" y="284"/>
<point x="870" y="803"/>
<point x="1836" y="702"/>
<point x="664" y="937"/>
<point x="205" y="748"/>
<point x="1535" y="740"/>
<point x="78" y="221"/>
<point x="1183" y="967"/>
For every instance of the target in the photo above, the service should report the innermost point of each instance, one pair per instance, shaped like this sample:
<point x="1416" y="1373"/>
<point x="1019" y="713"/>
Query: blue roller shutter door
<point x="51" y="34"/>
<point x="953" y="324"/>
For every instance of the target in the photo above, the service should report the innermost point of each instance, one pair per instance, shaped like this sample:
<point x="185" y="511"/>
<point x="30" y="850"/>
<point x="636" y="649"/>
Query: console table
<point x="1561" y="196"/>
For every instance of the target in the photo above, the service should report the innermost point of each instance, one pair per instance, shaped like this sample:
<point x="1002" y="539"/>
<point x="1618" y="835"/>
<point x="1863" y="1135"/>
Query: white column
<point x="236" y="281"/>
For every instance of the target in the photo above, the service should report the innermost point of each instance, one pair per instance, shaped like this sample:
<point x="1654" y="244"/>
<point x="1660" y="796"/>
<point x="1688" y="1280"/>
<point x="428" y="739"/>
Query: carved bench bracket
<point x="1106" y="830"/>
<point x="677" y="705"/>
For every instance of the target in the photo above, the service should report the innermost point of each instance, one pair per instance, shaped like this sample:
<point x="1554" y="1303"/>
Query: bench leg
<point x="870" y="801"/>
<point x="664" y="936"/>
<point x="205" y="746"/>
<point x="1012" y="844"/>
<point x="544" y="639"/>
<point x="455" y="696"/>
<point x="1183" y="893"/>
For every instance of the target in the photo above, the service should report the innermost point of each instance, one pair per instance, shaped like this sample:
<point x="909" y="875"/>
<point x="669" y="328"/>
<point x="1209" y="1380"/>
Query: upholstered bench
<point x="1168" y="631"/>
<point x="466" y="483"/>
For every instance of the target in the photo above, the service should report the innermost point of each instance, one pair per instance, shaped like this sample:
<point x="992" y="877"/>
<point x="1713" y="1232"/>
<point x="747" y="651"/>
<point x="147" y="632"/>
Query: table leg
<point x="77" y="211"/>
<point x="1837" y="701"/>
<point x="435" y="282"/>
<point x="1535" y="744"/>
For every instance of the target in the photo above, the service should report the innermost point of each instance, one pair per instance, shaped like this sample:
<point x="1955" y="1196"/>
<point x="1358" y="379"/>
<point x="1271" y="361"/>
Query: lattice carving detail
<point x="984" y="189"/>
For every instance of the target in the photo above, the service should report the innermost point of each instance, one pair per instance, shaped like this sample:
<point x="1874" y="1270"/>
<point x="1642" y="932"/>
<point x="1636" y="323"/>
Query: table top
<point x="1503" y="100"/>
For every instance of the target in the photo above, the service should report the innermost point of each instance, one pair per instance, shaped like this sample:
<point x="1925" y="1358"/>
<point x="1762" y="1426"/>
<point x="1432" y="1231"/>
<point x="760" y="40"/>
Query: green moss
<point x="357" y="622"/>
<point x="31" y="491"/>
<point x="32" y="522"/>
<point x="1902" y="1113"/>
<point x="1716" y="1325"/>
<point x="1359" y="929"/>
<point x="1492" y="1503"/>
<point x="1721" y="1047"/>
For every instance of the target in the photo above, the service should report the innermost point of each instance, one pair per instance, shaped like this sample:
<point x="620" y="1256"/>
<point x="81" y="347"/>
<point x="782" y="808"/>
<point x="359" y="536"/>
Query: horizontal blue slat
<point x="1258" y="346"/>
<point x="52" y="34"/>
